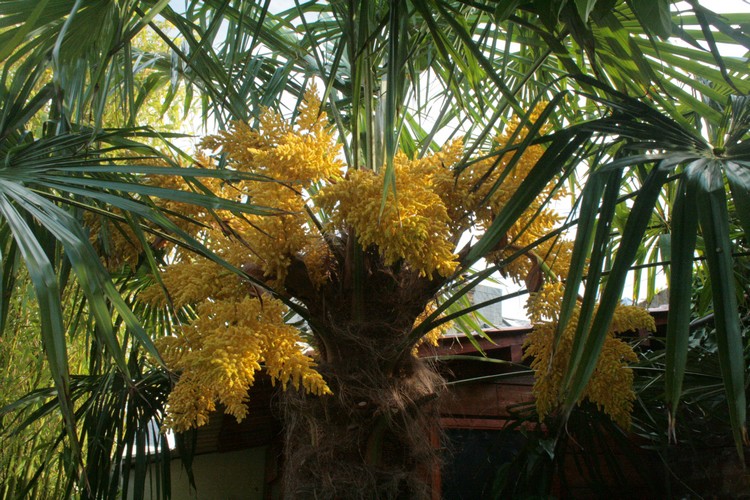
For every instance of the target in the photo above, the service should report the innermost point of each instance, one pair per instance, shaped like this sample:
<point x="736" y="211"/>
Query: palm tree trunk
<point x="371" y="439"/>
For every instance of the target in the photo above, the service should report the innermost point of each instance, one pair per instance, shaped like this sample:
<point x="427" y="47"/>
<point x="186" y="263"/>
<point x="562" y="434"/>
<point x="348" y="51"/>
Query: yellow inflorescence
<point x="536" y="221"/>
<point x="300" y="175"/>
<point x="413" y="226"/>
<point x="435" y="203"/>
<point x="610" y="386"/>
<point x="120" y="246"/>
<point x="220" y="352"/>
<point x="192" y="281"/>
<point x="235" y="332"/>
<point x="474" y="196"/>
<point x="291" y="159"/>
<point x="544" y="305"/>
<point x="433" y="336"/>
<point x="118" y="242"/>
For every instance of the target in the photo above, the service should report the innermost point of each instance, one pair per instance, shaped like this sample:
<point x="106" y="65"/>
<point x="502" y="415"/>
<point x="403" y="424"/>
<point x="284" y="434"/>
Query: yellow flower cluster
<point x="299" y="173"/>
<point x="292" y="160"/>
<point x="299" y="155"/>
<point x="115" y="241"/>
<point x="194" y="280"/>
<point x="220" y="352"/>
<point x="189" y="213"/>
<point x="545" y="304"/>
<point x="476" y="194"/>
<point x="433" y="336"/>
<point x="436" y="203"/>
<point x="235" y="332"/>
<point x="536" y="221"/>
<point x="610" y="386"/>
<point x="413" y="226"/>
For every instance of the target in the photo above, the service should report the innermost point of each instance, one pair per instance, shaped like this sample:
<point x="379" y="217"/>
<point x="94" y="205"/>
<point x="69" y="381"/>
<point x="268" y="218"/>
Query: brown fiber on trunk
<point x="372" y="438"/>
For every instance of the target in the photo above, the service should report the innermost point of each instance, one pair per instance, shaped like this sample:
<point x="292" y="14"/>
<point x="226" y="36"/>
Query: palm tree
<point x="384" y="66"/>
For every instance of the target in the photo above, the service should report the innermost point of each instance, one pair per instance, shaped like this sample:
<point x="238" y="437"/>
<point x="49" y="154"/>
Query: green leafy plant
<point x="385" y="66"/>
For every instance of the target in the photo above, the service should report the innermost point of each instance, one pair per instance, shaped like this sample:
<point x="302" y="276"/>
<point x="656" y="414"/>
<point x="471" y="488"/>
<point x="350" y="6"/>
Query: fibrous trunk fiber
<point x="373" y="439"/>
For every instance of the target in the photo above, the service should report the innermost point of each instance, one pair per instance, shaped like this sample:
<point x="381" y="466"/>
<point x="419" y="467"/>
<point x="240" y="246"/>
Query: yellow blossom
<point x="413" y="226"/>
<point x="292" y="159"/>
<point x="116" y="241"/>
<point x="194" y="280"/>
<point x="610" y="386"/>
<point x="219" y="353"/>
<point x="297" y="171"/>
<point x="433" y="336"/>
<point x="545" y="304"/>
